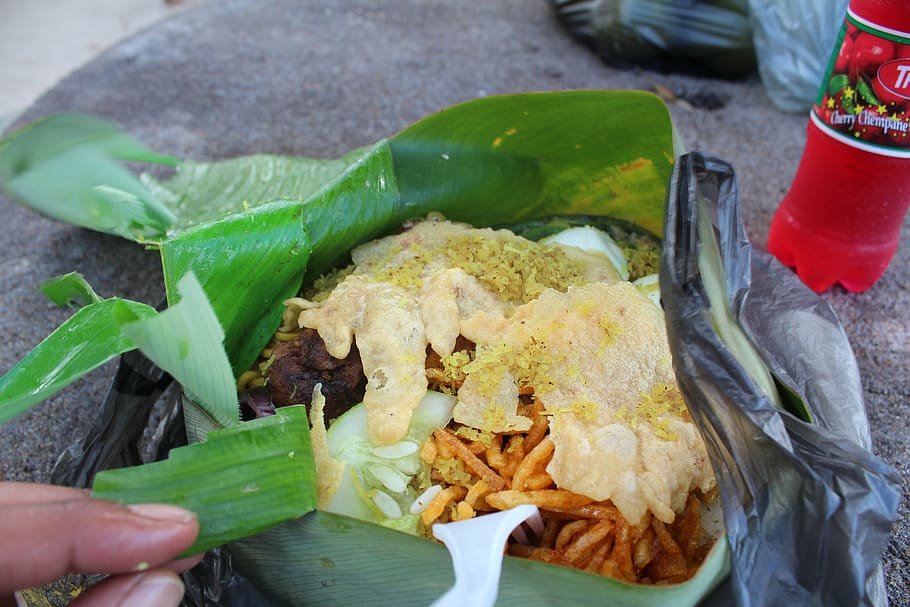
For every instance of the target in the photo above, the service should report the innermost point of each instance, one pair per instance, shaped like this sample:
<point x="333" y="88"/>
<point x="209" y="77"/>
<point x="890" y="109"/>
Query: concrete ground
<point x="42" y="41"/>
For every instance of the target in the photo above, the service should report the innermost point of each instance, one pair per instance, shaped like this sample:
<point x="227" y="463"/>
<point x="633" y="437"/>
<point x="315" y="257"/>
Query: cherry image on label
<point x="840" y="221"/>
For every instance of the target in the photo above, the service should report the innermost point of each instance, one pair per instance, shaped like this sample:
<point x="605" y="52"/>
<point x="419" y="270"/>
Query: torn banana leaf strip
<point x="70" y="290"/>
<point x="732" y="335"/>
<point x="84" y="342"/>
<point x="66" y="167"/>
<point x="240" y="481"/>
<point x="186" y="341"/>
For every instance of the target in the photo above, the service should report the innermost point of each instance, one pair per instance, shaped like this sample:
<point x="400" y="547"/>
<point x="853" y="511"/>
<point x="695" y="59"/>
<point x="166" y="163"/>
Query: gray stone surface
<point x="312" y="78"/>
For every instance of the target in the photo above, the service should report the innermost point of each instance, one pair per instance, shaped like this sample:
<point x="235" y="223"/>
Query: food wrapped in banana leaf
<point x="235" y="247"/>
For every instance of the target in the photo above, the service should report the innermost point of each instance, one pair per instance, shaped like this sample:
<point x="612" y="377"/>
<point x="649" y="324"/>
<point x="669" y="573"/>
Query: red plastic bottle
<point x="841" y="219"/>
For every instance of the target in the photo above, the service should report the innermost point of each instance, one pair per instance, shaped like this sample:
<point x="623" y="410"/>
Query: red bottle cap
<point x="888" y="14"/>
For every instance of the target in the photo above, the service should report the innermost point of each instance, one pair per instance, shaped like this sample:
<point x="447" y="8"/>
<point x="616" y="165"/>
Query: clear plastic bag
<point x="793" y="42"/>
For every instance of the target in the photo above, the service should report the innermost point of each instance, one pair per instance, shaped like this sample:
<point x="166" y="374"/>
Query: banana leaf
<point x="338" y="560"/>
<point x="81" y="344"/>
<point x="272" y="453"/>
<point x="64" y="166"/>
<point x="490" y="161"/>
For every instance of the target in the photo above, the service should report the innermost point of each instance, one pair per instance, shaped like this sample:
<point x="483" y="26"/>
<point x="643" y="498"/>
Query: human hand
<point x="47" y="532"/>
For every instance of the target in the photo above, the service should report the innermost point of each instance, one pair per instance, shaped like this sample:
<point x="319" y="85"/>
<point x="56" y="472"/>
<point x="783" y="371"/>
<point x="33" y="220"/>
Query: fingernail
<point x="162" y="512"/>
<point x="156" y="590"/>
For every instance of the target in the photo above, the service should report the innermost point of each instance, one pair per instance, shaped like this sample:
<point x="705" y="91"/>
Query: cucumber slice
<point x="649" y="286"/>
<point x="376" y="485"/>
<point x="589" y="238"/>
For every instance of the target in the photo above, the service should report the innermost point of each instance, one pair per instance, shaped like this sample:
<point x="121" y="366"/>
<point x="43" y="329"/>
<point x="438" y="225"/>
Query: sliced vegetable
<point x="589" y="238"/>
<point x="377" y="483"/>
<point x="733" y="336"/>
<point x="649" y="286"/>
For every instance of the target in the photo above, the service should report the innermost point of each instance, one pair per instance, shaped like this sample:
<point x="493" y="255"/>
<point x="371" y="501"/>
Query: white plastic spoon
<point x="476" y="546"/>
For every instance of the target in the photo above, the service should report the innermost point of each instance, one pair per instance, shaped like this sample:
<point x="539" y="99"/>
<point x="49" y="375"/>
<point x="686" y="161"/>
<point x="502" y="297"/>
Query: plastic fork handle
<point x="476" y="547"/>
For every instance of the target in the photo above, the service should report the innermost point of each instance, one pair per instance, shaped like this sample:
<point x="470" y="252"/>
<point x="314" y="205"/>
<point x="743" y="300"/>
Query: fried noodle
<point x="506" y="470"/>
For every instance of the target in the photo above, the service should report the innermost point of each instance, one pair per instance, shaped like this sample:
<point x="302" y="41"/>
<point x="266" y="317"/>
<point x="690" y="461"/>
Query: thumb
<point x="156" y="588"/>
<point x="45" y="541"/>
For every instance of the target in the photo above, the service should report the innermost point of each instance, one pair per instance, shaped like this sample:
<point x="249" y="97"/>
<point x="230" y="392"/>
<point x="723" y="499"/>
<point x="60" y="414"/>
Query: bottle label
<point x="864" y="98"/>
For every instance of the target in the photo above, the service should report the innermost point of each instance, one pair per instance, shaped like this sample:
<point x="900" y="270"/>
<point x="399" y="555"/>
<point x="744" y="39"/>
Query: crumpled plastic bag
<point x="808" y="508"/>
<point x="711" y="37"/>
<point x="789" y="41"/>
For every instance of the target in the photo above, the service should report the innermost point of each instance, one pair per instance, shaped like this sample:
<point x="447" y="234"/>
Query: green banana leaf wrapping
<point x="484" y="163"/>
<point x="494" y="160"/>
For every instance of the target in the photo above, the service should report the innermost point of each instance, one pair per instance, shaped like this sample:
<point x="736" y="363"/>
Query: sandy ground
<point x="40" y="42"/>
